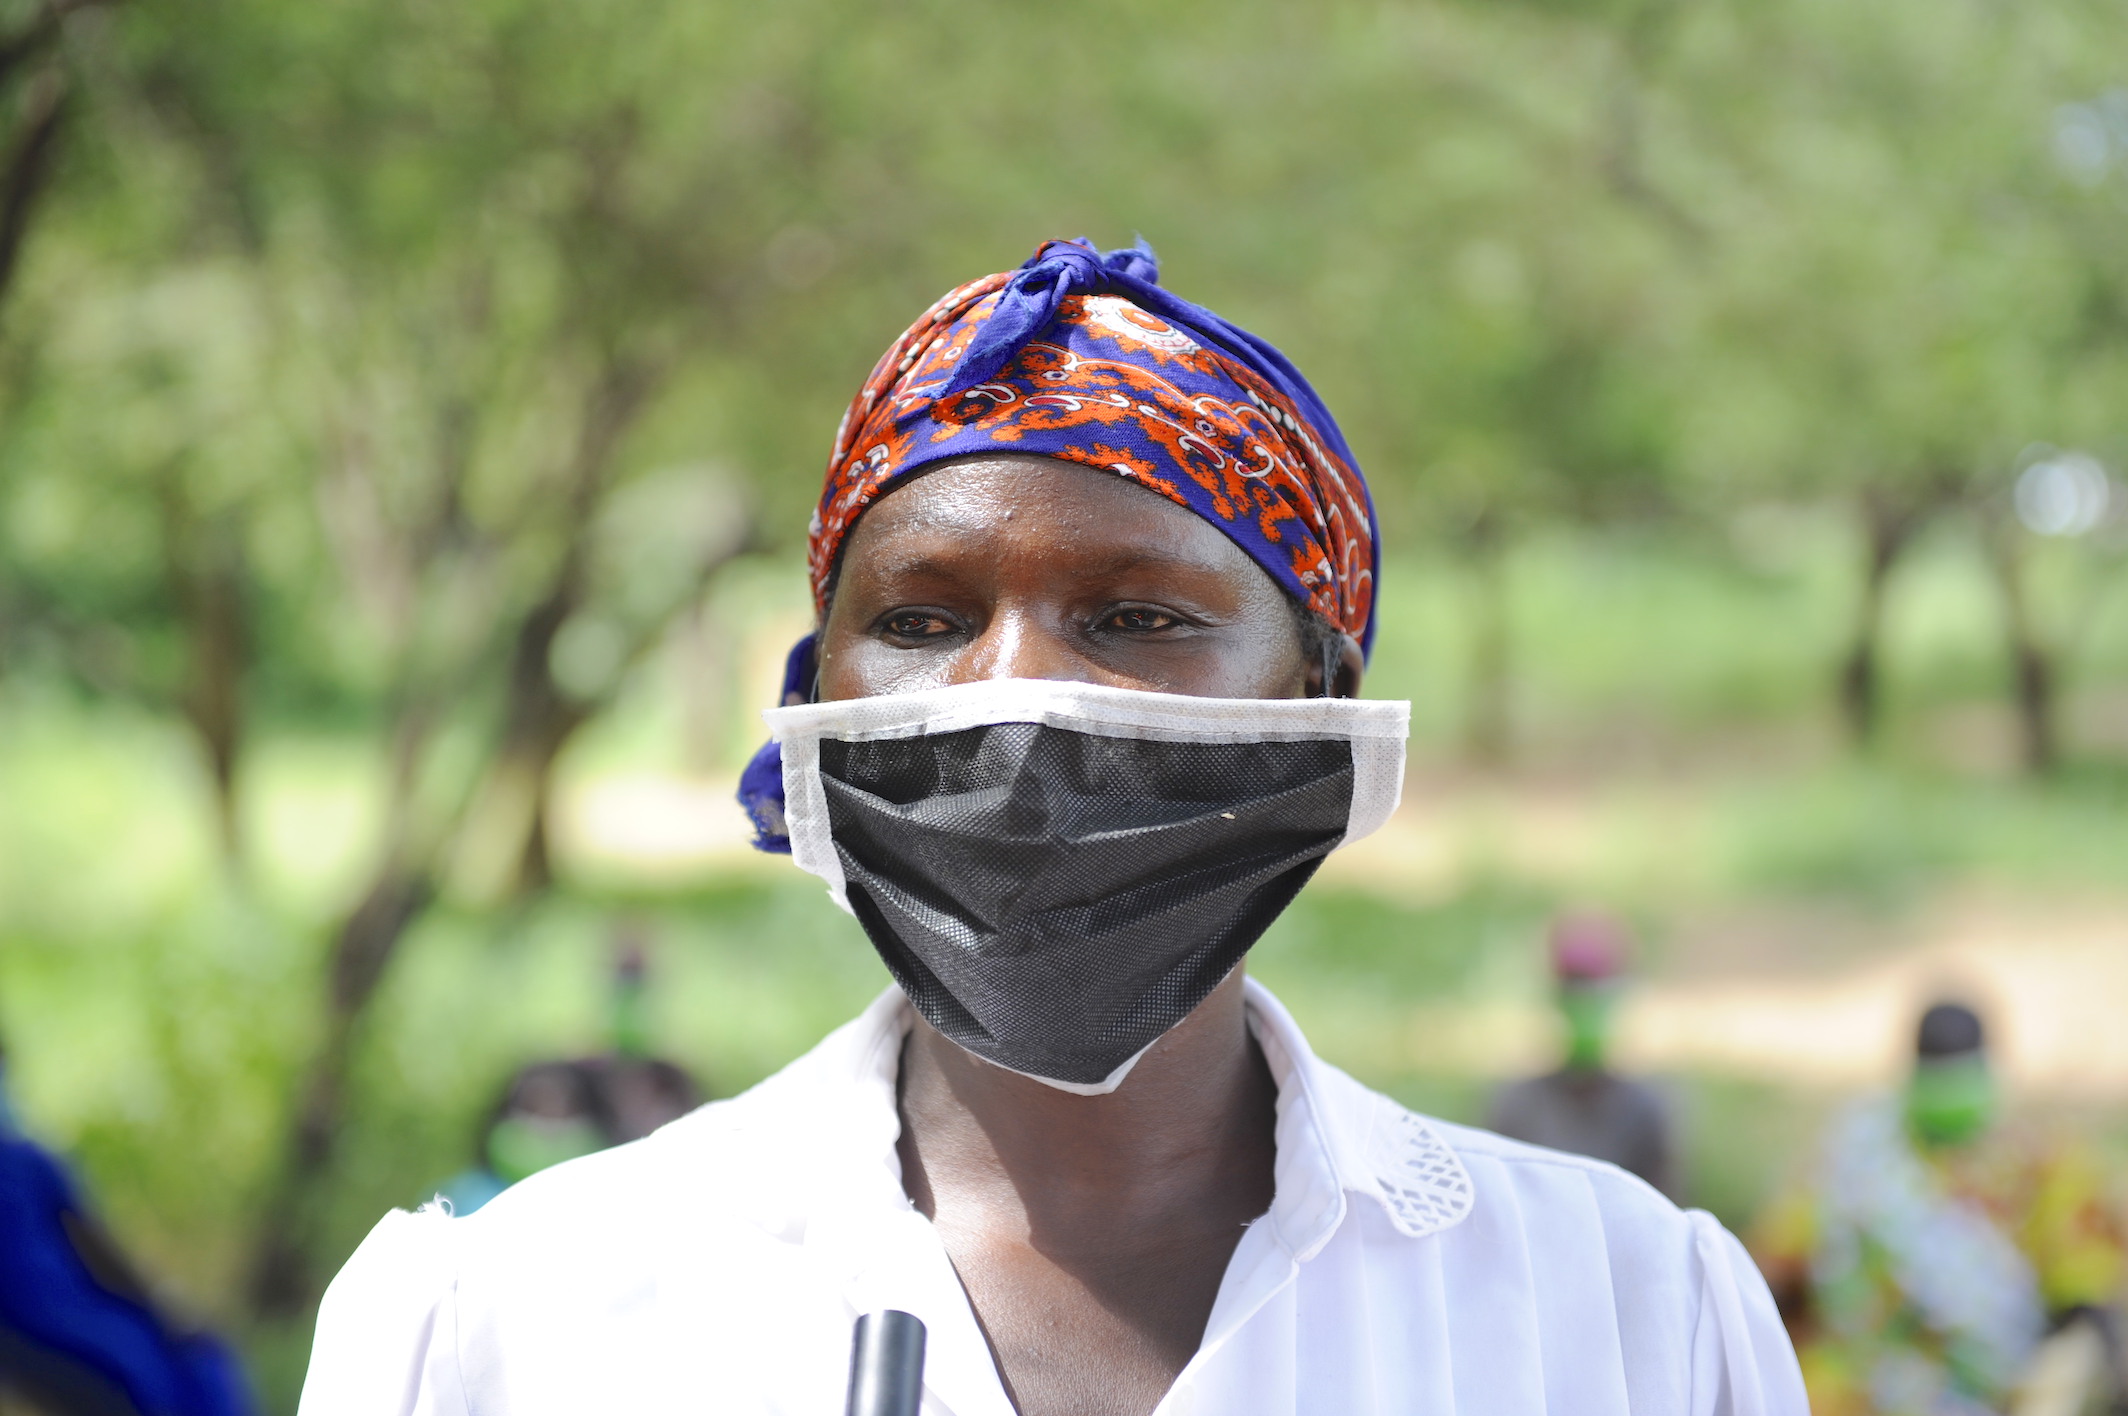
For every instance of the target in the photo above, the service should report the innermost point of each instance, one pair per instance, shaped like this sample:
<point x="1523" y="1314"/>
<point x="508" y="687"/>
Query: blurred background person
<point x="557" y="1110"/>
<point x="1583" y="1106"/>
<point x="1936" y="1245"/>
<point x="80" y="1334"/>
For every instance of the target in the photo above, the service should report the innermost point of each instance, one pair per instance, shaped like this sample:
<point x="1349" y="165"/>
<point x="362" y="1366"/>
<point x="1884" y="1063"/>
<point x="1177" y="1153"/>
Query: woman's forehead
<point x="1023" y="508"/>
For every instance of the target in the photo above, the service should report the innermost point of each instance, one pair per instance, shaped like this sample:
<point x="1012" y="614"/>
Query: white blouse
<point x="1406" y="1266"/>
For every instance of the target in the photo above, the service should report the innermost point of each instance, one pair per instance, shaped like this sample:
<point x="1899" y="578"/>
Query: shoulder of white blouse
<point x="1742" y="1363"/>
<point x="1472" y="1141"/>
<point x="729" y="1158"/>
<point x="1431" y="1174"/>
<point x="1624" y="1196"/>
<point x="752" y="1158"/>
<point x="380" y="1316"/>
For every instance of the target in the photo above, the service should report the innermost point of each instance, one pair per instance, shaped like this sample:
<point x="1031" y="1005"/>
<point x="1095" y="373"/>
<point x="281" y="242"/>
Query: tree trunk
<point x="282" y="1282"/>
<point x="541" y="749"/>
<point x="541" y="719"/>
<point x="2034" y="674"/>
<point x="205" y="572"/>
<point x="214" y="700"/>
<point x="1488" y="728"/>
<point x="1887" y="528"/>
<point x="29" y="163"/>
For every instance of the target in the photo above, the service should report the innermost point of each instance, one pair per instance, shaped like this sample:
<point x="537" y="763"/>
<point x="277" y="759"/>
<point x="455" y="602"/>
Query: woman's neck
<point x="1191" y="1125"/>
<point x="1092" y="1233"/>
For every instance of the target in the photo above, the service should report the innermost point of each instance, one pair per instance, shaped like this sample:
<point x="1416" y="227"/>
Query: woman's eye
<point x="1141" y="621"/>
<point x="915" y="624"/>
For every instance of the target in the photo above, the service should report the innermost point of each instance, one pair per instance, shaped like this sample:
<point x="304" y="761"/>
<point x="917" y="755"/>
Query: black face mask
<point x="1058" y="873"/>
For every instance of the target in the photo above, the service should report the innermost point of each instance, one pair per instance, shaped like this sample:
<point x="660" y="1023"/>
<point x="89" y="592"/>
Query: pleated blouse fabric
<point x="1406" y="1266"/>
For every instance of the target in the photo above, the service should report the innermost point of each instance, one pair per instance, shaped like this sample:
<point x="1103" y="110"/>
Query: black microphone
<point x="886" y="1365"/>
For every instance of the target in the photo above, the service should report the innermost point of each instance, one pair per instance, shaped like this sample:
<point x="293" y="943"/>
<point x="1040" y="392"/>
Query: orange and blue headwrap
<point x="1080" y="355"/>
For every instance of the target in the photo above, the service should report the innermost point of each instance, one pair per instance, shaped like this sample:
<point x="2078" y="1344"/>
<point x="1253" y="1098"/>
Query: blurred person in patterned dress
<point x="1937" y="1247"/>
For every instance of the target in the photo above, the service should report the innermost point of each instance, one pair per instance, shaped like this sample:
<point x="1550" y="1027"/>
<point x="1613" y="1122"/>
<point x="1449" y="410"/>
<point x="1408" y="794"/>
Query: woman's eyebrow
<point x="1113" y="561"/>
<point x="910" y="564"/>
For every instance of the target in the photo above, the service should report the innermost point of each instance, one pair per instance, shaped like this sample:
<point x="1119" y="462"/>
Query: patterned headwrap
<point x="1081" y="356"/>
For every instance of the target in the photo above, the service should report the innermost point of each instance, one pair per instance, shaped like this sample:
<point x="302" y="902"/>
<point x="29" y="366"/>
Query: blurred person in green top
<point x="1584" y="1107"/>
<point x="558" y="1110"/>
<point x="1935" y="1246"/>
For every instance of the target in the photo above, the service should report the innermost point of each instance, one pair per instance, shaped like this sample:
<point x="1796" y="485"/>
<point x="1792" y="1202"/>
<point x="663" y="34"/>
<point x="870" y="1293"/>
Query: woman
<point x="1095" y="576"/>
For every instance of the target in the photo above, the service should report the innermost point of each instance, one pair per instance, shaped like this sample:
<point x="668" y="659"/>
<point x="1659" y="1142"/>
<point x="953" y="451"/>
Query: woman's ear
<point x="1340" y="670"/>
<point x="1351" y="668"/>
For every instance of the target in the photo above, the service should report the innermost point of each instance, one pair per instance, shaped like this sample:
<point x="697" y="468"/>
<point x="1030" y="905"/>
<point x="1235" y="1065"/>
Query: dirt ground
<point x="2051" y="977"/>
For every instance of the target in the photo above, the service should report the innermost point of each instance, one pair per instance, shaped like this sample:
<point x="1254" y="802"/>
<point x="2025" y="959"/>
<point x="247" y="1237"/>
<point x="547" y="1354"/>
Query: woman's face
<point x="1030" y="567"/>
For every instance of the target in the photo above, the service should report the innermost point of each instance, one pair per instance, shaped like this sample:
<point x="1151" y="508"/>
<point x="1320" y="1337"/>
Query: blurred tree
<point x="1896" y="310"/>
<point x="460" y="328"/>
<point x="2072" y="349"/>
<point x="1493" y="275"/>
<point x="33" y="85"/>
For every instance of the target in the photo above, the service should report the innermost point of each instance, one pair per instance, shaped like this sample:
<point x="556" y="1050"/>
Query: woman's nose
<point x="1016" y="644"/>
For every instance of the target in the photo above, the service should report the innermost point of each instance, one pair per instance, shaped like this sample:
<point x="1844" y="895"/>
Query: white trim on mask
<point x="1376" y="728"/>
<point x="1101" y="1088"/>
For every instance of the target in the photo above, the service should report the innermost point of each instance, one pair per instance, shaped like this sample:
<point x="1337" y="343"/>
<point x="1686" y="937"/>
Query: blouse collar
<point x="1335" y="1138"/>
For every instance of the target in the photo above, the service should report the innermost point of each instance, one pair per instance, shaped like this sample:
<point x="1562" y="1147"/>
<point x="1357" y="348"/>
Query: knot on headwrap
<point x="1081" y="356"/>
<point x="1030" y="300"/>
<point x="1028" y="303"/>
